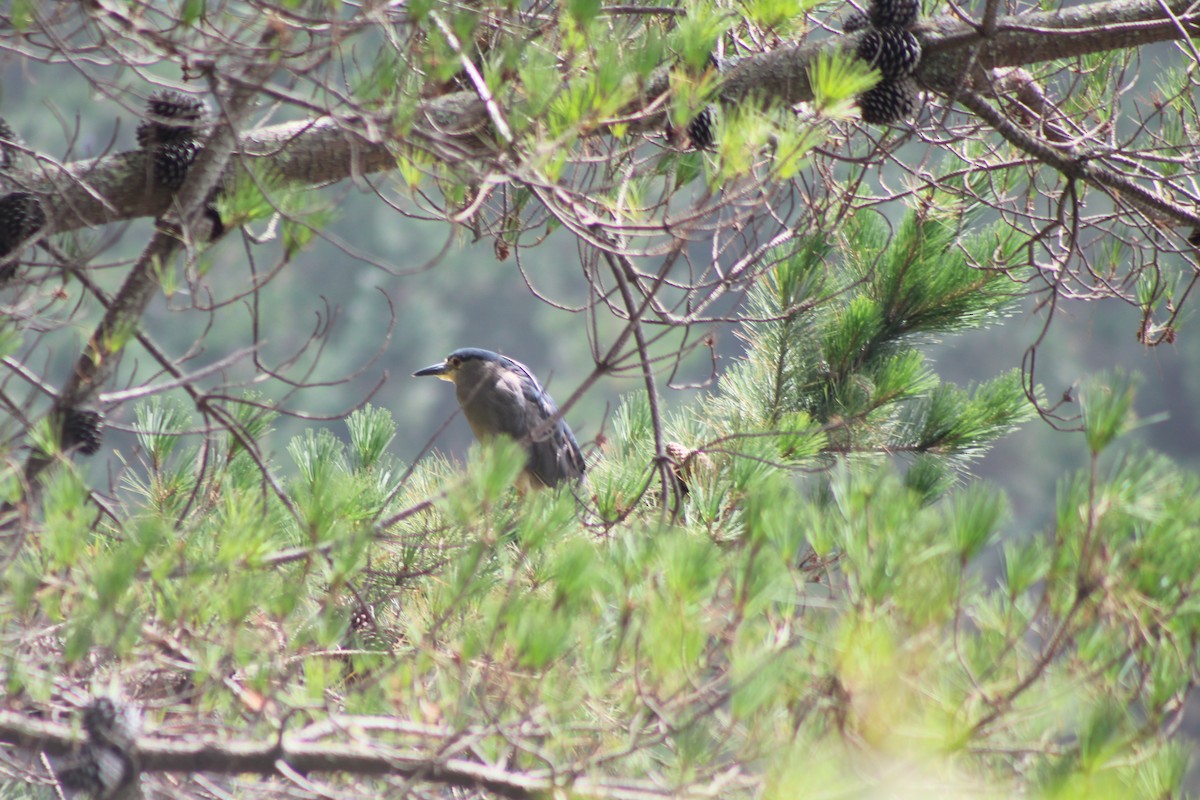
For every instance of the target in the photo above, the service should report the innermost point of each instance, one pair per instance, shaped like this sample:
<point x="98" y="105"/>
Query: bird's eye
<point x="454" y="361"/>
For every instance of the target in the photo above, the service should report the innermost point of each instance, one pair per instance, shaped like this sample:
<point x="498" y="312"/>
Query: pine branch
<point x="1076" y="165"/>
<point x="455" y="126"/>
<point x="102" y="353"/>
<point x="158" y="754"/>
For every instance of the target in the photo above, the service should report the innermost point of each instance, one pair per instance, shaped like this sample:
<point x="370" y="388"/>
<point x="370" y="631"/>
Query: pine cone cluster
<point x="169" y="133"/>
<point x="855" y="21"/>
<point x="83" y="431"/>
<point x="894" y="13"/>
<point x="172" y="118"/>
<point x="888" y="101"/>
<point x="171" y="163"/>
<point x="362" y="621"/>
<point x="891" y="48"/>
<point x="21" y="216"/>
<point x="893" y="51"/>
<point x="107" y="722"/>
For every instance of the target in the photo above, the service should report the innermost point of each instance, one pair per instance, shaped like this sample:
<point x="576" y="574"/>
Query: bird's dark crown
<point x="475" y="354"/>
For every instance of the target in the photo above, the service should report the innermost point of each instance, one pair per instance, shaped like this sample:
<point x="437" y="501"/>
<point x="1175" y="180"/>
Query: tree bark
<point x="329" y="149"/>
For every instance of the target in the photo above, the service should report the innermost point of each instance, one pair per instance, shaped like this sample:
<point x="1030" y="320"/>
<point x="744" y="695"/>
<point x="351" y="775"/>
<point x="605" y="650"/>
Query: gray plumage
<point x="501" y="397"/>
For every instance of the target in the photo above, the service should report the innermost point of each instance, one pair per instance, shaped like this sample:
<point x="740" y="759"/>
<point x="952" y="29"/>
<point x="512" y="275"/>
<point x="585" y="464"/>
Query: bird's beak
<point x="436" y="370"/>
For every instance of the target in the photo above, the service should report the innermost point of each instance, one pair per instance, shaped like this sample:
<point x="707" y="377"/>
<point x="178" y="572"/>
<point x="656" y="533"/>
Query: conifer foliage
<point x="842" y="349"/>
<point x="808" y="604"/>
<point x="786" y="583"/>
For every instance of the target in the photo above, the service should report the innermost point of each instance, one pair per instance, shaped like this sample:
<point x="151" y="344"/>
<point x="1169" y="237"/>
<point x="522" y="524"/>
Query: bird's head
<point x="463" y="362"/>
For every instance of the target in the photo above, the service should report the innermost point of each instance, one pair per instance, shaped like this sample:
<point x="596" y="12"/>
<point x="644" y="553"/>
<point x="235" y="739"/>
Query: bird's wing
<point x="570" y="457"/>
<point x="554" y="454"/>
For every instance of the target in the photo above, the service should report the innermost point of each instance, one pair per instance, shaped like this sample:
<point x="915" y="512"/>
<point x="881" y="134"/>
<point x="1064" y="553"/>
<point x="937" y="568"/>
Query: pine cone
<point x="702" y="130"/>
<point x="363" y="633"/>
<point x="170" y="134"/>
<point x="21" y="216"/>
<point x="162" y="109"/>
<point x="855" y="21"/>
<point x="895" y="52"/>
<point x="895" y="13"/>
<point x="83" y="431"/>
<point x="689" y="464"/>
<point x="108" y="722"/>
<point x="97" y="771"/>
<point x="889" y="101"/>
<point x="105" y="764"/>
<point x="171" y="163"/>
<point x="362" y="618"/>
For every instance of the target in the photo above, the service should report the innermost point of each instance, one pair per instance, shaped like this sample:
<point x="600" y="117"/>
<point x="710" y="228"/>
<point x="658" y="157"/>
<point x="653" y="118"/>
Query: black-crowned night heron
<point x="500" y="397"/>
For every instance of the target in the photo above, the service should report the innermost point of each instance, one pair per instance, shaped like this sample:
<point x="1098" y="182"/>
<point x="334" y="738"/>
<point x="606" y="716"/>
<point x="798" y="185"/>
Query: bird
<point x="501" y="397"/>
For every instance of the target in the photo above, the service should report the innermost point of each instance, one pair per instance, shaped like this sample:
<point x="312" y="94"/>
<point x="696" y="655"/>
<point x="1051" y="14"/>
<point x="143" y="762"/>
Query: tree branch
<point x="1076" y="165"/>
<point x="102" y="353"/>
<point x="328" y="149"/>
<point x="157" y="754"/>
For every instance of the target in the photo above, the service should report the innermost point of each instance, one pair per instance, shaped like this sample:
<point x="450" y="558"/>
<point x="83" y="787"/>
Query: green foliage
<point x="836" y="353"/>
<point x="836" y="79"/>
<point x="975" y="520"/>
<point x="753" y="138"/>
<point x="583" y="11"/>
<point x="335" y="501"/>
<point x="827" y="602"/>
<point x="192" y="10"/>
<point x="161" y="422"/>
<point x="816" y="609"/>
<point x="67" y="519"/>
<point x="371" y="431"/>
<point x="10" y="339"/>
<point x="1098" y="73"/>
<point x="777" y="15"/>
<point x="1107" y="405"/>
<point x="493" y="468"/>
<point x="22" y="14"/>
<point x="262" y="196"/>
<point x="249" y="198"/>
<point x="695" y="36"/>
<point x="386" y="74"/>
<point x="540" y="82"/>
